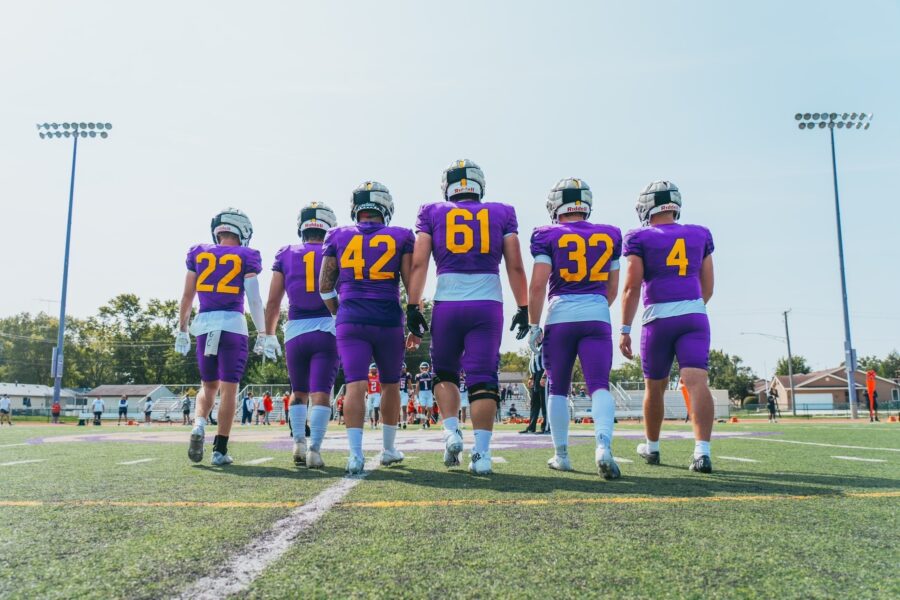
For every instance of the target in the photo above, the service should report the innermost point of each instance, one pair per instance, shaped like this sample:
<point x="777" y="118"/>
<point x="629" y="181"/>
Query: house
<point x="39" y="396"/>
<point x="136" y="395"/>
<point x="826" y="389"/>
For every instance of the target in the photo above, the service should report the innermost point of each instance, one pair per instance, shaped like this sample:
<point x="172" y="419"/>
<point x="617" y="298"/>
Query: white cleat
<point x="390" y="457"/>
<point x="481" y="463"/>
<point x="195" y="448"/>
<point x="221" y="460"/>
<point x="355" y="464"/>
<point x="299" y="452"/>
<point x="606" y="464"/>
<point x="453" y="447"/>
<point x="560" y="463"/>
<point x="314" y="459"/>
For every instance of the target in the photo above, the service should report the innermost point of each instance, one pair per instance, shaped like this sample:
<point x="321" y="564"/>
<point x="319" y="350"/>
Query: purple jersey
<point x="300" y="265"/>
<point x="467" y="237"/>
<point x="672" y="255"/>
<point x="368" y="258"/>
<point x="220" y="274"/>
<point x="581" y="255"/>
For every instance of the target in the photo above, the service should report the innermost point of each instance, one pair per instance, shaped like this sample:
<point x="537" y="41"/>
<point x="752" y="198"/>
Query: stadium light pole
<point x="49" y="131"/>
<point x="829" y="121"/>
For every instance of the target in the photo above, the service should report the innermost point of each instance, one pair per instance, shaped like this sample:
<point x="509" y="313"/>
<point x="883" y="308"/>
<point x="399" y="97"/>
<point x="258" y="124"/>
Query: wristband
<point x="328" y="295"/>
<point x="626" y="329"/>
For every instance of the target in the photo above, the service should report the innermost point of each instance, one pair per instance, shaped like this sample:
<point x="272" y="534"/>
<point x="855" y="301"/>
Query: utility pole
<point x="787" y="335"/>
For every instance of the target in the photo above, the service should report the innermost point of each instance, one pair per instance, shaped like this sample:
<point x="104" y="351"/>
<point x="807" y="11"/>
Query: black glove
<point x="415" y="320"/>
<point x="520" y="323"/>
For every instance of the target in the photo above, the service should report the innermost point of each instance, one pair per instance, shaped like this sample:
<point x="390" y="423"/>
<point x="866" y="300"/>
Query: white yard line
<point x="137" y="462"/>
<point x="762" y="439"/>
<point x="875" y="460"/>
<point x="22" y="462"/>
<point x="498" y="459"/>
<point x="11" y="445"/>
<point x="623" y="460"/>
<point x="258" y="461"/>
<point x="240" y="570"/>
<point x="737" y="458"/>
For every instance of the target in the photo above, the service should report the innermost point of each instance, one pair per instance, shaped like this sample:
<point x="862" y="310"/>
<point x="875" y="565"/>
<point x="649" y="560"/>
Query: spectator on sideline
<point x="340" y="410"/>
<point x="247" y="409"/>
<point x="54" y="412"/>
<point x="5" y="410"/>
<point x="98" y="407"/>
<point x="513" y="413"/>
<point x="268" y="407"/>
<point x="148" y="409"/>
<point x="538" y="393"/>
<point x="259" y="408"/>
<point x="185" y="410"/>
<point x="874" y="416"/>
<point x="770" y="404"/>
<point x="123" y="409"/>
<point x="286" y="401"/>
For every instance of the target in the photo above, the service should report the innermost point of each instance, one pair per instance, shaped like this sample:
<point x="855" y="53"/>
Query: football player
<point x="673" y="263"/>
<point x="309" y="334"/>
<point x="424" y="393"/>
<point x="366" y="262"/>
<point x="221" y="274"/>
<point x="468" y="238"/>
<point x="463" y="397"/>
<point x="373" y="395"/>
<point x="405" y="385"/>
<point x="580" y="261"/>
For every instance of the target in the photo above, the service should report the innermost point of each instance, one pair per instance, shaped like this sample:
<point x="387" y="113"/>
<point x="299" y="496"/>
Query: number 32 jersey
<point x="220" y="275"/>
<point x="581" y="255"/>
<point x="672" y="256"/>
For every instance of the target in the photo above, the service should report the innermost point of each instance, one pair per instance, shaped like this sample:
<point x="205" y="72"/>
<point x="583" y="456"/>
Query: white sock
<point x="388" y="433"/>
<point x="200" y="422"/>
<point x="558" y="415"/>
<point x="451" y="424"/>
<point x="482" y="441"/>
<point x="603" y="411"/>
<point x="297" y="414"/>
<point x="701" y="449"/>
<point x="318" y="425"/>
<point x="354" y="440"/>
<point x="653" y="446"/>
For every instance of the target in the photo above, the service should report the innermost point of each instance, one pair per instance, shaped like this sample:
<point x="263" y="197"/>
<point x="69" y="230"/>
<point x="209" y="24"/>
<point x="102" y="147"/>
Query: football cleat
<point x="195" y="448"/>
<point x="355" y="464"/>
<point x="701" y="464"/>
<point x="299" y="452"/>
<point x="453" y="447"/>
<point x="220" y="460"/>
<point x="606" y="464"/>
<point x="481" y="463"/>
<point x="652" y="458"/>
<point x="390" y="457"/>
<point x="560" y="463"/>
<point x="314" y="460"/>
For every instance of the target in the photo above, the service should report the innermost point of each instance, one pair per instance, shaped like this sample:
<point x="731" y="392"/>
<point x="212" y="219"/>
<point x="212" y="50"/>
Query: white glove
<point x="260" y="344"/>
<point x="271" y="348"/>
<point x="182" y="342"/>
<point x="535" y="337"/>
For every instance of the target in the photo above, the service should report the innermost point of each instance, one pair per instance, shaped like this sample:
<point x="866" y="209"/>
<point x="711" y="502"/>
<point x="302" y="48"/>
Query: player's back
<point x="581" y="255"/>
<point x="220" y="274"/>
<point x="300" y="264"/>
<point x="673" y="255"/>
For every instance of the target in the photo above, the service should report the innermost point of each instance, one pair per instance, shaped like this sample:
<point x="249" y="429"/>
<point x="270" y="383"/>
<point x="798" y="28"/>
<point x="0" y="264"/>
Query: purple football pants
<point x="685" y="337"/>
<point x="358" y="344"/>
<point x="467" y="334"/>
<point x="312" y="361"/>
<point x="591" y="341"/>
<point x="228" y="365"/>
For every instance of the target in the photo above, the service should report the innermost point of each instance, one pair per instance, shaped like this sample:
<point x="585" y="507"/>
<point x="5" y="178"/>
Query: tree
<point x="629" y="371"/>
<point x="726" y="372"/>
<point x="799" y="363"/>
<point x="888" y="367"/>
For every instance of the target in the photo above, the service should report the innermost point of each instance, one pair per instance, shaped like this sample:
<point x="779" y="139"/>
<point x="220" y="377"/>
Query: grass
<point x="524" y="532"/>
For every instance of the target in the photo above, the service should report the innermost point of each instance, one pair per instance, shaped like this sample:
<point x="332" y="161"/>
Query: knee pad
<point x="484" y="391"/>
<point x="446" y="377"/>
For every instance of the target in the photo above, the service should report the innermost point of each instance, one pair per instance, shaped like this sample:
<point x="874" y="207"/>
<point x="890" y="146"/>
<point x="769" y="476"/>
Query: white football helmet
<point x="462" y="177"/>
<point x="372" y="195"/>
<point x="232" y="220"/>
<point x="570" y="195"/>
<point x="658" y="197"/>
<point x="373" y="367"/>
<point x="315" y="216"/>
<point x="424" y="365"/>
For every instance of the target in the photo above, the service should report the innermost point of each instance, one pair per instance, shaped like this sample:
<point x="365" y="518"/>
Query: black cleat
<point x="652" y="458"/>
<point x="701" y="464"/>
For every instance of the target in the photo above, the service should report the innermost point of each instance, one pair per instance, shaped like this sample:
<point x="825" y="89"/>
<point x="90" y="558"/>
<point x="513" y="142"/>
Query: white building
<point x="136" y="395"/>
<point x="41" y="396"/>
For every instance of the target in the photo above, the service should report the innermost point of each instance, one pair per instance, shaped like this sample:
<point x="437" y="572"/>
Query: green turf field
<point x="796" y="523"/>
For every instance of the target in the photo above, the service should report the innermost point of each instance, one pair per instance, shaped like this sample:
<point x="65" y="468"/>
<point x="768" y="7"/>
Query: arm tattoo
<point x="328" y="276"/>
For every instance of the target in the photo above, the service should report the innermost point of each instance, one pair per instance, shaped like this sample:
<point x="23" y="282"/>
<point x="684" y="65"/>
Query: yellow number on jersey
<point x="678" y="257"/>
<point x="578" y="255"/>
<point x="455" y="227"/>
<point x="309" y="259"/>
<point x="223" y="286"/>
<point x="352" y="257"/>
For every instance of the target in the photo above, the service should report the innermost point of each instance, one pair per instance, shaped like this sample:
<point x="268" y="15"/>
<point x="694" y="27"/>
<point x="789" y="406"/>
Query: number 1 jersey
<point x="220" y="274"/>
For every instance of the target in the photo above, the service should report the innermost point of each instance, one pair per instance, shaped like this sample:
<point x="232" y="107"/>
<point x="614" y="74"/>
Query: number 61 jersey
<point x="220" y="275"/>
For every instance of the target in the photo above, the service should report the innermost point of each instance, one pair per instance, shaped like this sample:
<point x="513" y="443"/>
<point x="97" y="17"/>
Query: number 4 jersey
<point x="673" y="255"/>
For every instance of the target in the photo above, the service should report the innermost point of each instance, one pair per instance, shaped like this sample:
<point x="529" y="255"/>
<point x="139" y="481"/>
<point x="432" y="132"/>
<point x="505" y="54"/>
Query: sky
<point x="267" y="106"/>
